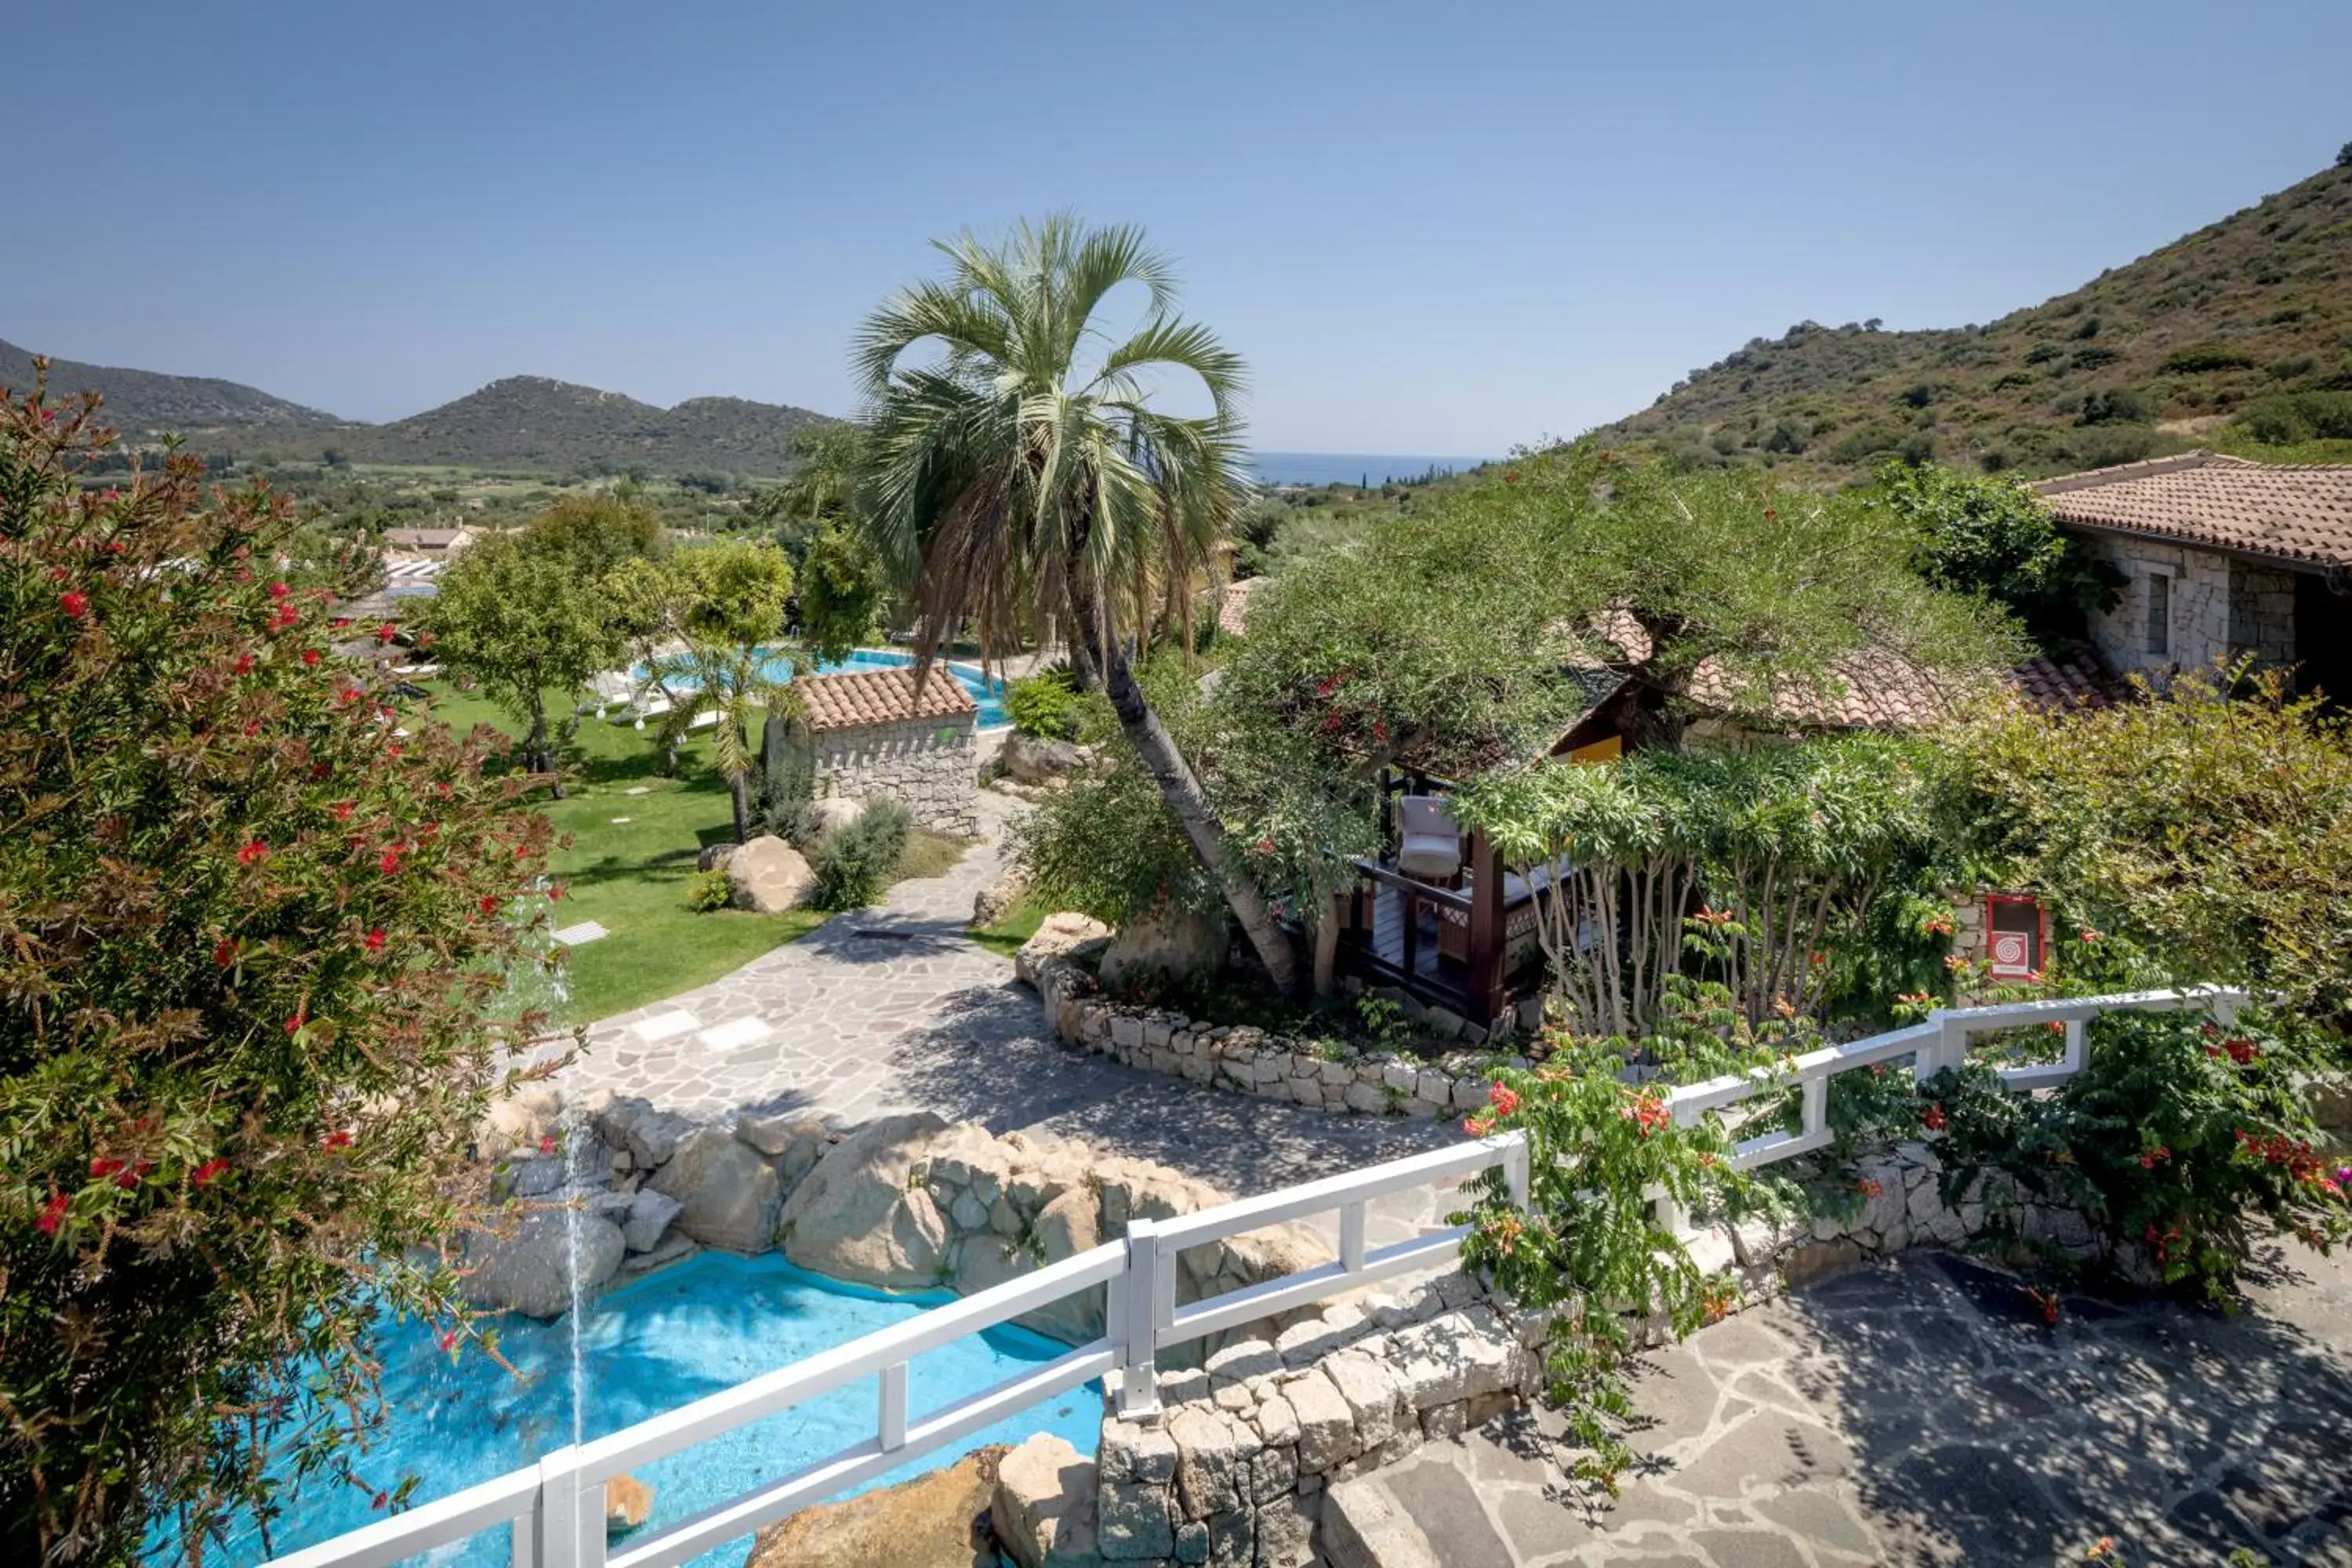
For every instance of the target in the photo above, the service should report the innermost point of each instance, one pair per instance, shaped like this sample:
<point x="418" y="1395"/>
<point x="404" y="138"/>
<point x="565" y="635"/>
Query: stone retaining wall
<point x="1249" y="1061"/>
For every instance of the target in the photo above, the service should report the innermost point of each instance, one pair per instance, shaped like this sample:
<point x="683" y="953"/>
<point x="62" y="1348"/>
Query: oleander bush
<point x="252" y="939"/>
<point x="1044" y="705"/>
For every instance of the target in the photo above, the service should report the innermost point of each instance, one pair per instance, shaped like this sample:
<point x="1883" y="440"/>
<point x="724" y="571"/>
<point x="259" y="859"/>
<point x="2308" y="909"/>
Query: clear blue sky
<point x="1430" y="229"/>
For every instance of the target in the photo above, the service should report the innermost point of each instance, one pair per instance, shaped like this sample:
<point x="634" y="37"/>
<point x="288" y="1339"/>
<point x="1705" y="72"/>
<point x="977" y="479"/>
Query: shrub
<point x="2120" y="406"/>
<point x="251" y="940"/>
<point x="1589" y="1241"/>
<point x="2181" y="1140"/>
<point x="709" y="890"/>
<point x="2297" y="417"/>
<point x="1044" y="705"/>
<point x="2198" y="357"/>
<point x="854" y="863"/>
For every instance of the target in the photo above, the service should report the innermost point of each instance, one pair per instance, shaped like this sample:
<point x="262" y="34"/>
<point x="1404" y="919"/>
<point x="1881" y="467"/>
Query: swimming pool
<point x="777" y="665"/>
<point x="690" y="1330"/>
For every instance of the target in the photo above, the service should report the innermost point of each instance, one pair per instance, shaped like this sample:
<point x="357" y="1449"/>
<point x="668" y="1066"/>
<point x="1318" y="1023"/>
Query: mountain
<point x="533" y="422"/>
<point x="2249" y="314"/>
<point x="522" y="422"/>
<point x="142" y="402"/>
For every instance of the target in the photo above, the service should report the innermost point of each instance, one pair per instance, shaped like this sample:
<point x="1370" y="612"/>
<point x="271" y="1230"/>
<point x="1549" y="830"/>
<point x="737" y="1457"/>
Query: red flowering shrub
<point x="247" y="942"/>
<point x="1589" y="1241"/>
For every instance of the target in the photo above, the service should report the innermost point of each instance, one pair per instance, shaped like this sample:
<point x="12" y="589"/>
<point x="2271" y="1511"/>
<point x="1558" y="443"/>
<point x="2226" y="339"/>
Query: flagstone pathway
<point x="896" y="1008"/>
<point x="1920" y="1411"/>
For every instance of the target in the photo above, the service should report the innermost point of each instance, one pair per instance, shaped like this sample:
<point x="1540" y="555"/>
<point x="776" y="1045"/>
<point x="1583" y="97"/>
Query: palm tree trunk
<point x="1181" y="791"/>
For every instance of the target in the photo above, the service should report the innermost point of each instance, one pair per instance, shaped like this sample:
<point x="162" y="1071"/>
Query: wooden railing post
<point x="1139" y="1380"/>
<point x="1486" y="986"/>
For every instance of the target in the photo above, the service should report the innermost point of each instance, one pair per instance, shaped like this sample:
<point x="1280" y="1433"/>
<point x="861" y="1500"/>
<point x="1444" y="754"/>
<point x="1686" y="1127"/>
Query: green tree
<point x="841" y="590"/>
<point x="1027" y="479"/>
<point x="828" y="458"/>
<point x="1993" y="538"/>
<point x="594" y="533"/>
<point x="727" y="604"/>
<point x="523" y="623"/>
<point x="249" y="940"/>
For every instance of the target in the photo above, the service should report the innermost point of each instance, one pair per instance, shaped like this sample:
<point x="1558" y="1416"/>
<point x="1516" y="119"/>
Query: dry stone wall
<point x="931" y="766"/>
<point x="1248" y="1061"/>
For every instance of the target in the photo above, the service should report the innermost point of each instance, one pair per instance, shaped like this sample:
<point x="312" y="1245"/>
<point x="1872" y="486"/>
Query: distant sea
<point x="1349" y="468"/>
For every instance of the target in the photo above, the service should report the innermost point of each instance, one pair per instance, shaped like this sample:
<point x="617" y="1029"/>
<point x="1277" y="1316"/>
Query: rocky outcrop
<point x="728" y="1195"/>
<point x="1068" y="936"/>
<point x="1167" y="947"/>
<point x="527" y="1270"/>
<point x="932" y="1521"/>
<point x="1033" y="760"/>
<point x="836" y="812"/>
<point x="857" y="1216"/>
<point x="768" y="876"/>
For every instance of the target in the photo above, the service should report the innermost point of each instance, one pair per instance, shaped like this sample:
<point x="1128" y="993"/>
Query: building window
<point x="2159" y="614"/>
<point x="2016" y="931"/>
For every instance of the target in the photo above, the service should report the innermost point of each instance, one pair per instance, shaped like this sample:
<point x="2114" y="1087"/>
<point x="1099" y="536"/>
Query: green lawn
<point x="1019" y="924"/>
<point x="630" y="876"/>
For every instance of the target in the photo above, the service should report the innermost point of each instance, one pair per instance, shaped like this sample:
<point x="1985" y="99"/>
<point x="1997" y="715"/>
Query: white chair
<point x="1429" y="845"/>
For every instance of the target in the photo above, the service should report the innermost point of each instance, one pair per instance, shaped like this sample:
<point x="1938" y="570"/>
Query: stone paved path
<point x="1920" y="1411"/>
<point x="896" y="1008"/>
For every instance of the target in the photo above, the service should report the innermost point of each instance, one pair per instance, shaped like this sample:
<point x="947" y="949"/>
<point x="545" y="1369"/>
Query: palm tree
<point x="1022" y="478"/>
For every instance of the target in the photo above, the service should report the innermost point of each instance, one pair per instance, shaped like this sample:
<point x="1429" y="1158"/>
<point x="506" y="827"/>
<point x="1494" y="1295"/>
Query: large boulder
<point x="1065" y="935"/>
<point x="1044" y="1511"/>
<point x="728" y="1195"/>
<point x="834" y="811"/>
<point x="768" y="876"/>
<point x="520" y="1121"/>
<point x="857" y="1217"/>
<point x="932" y="1521"/>
<point x="1034" y="760"/>
<point x="1170" y="946"/>
<point x="529" y="1270"/>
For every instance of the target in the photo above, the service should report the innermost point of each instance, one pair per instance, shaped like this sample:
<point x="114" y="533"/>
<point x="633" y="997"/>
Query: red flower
<point x="278" y="590"/>
<point x="374" y="940"/>
<point x="225" y="952"/>
<point x="489" y="904"/>
<point x="284" y="616"/>
<point x="244" y="664"/>
<point x="1266" y="844"/>
<point x="450" y="1341"/>
<point x="310" y="656"/>
<point x="2243" y="1051"/>
<point x="339" y="1139"/>
<point x="546" y="1143"/>
<point x="386" y="632"/>
<point x="1933" y="1119"/>
<point x="1505" y="1100"/>
<point x="339" y="622"/>
<point x="390" y="864"/>
<point x="252" y="850"/>
<point x="209" y="1170"/>
<point x="294" y="1024"/>
<point x="342" y="810"/>
<point x="1477" y="1126"/>
<point x="2090" y="936"/>
<point x="1869" y="1188"/>
<point x="74" y="602"/>
<point x="103" y="1167"/>
<point x="52" y="1213"/>
<point x="1511" y="478"/>
<point x="555" y="890"/>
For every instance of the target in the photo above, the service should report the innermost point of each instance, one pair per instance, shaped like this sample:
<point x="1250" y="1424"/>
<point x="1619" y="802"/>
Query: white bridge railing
<point x="1939" y="1041"/>
<point x="557" y="1506"/>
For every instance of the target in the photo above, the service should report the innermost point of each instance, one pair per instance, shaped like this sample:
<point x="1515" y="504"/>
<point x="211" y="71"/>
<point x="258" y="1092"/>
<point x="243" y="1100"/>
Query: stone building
<point x="2220" y="558"/>
<point x="870" y="732"/>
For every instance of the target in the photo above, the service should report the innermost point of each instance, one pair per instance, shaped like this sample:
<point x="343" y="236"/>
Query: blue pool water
<point x="990" y="695"/>
<point x="690" y="1330"/>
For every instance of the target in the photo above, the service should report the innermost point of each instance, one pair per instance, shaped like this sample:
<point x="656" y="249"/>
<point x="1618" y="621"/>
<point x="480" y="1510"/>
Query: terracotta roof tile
<point x="1232" y="605"/>
<point x="1885" y="691"/>
<point x="2300" y="511"/>
<point x="856" y="698"/>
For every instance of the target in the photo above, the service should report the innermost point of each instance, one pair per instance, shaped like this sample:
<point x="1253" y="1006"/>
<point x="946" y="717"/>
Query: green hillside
<point x="144" y="401"/>
<point x="529" y="422"/>
<point x="2238" y="335"/>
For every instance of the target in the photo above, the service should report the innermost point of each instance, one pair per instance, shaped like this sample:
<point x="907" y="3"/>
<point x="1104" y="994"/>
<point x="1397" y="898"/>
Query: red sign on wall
<point x="2015" y="934"/>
